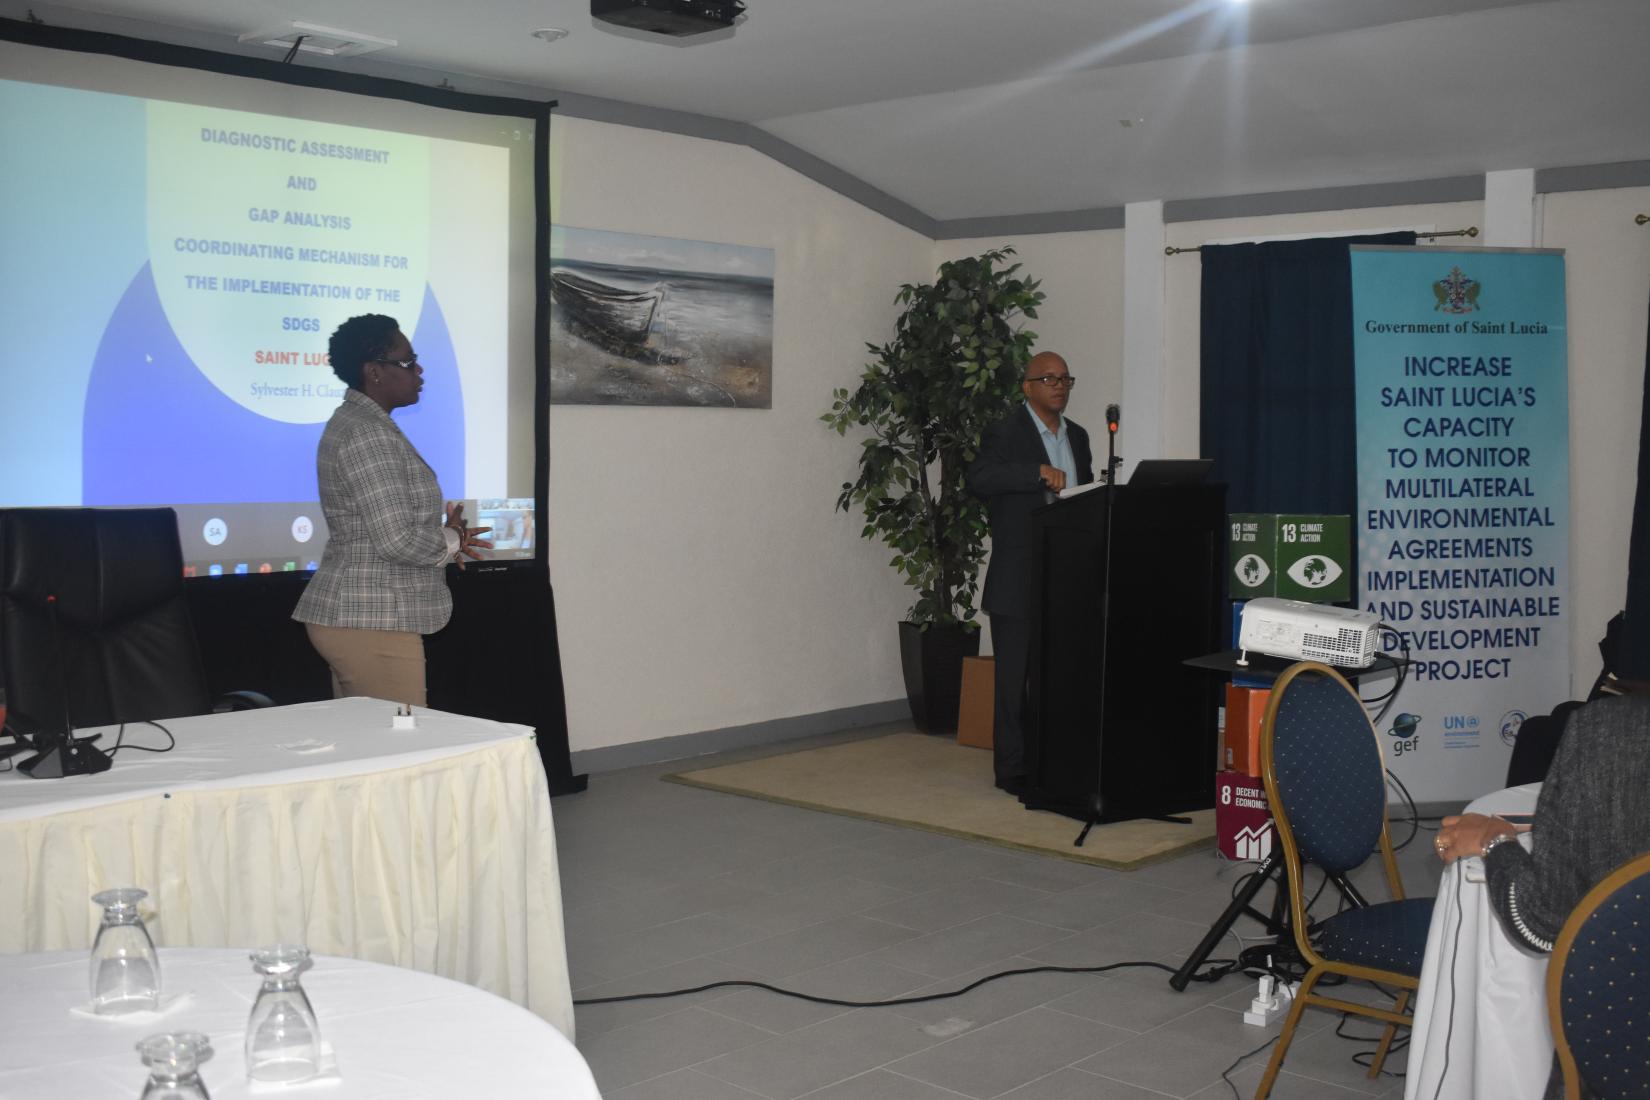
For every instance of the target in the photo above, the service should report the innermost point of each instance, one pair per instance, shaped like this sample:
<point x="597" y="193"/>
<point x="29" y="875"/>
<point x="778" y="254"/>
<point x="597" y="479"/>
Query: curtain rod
<point x="1469" y="231"/>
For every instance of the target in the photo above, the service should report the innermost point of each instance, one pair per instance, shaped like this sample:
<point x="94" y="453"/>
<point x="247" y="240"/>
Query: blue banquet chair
<point x="1598" y="988"/>
<point x="1326" y="784"/>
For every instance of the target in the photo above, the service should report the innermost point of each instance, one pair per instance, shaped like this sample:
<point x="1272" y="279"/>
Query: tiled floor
<point x="667" y="886"/>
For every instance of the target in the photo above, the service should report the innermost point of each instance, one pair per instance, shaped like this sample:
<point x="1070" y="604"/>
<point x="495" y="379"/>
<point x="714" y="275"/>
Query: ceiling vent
<point x="316" y="39"/>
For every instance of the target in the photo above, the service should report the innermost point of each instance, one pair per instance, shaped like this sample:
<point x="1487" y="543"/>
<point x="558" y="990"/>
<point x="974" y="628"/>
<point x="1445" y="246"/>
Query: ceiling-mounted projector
<point x="1309" y="632"/>
<point x="676" y="18"/>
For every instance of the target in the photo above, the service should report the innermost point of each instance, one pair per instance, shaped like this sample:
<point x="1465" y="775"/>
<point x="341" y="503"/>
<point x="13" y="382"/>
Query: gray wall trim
<point x="689" y="745"/>
<point x="1025" y="225"/>
<point x="849" y="186"/>
<point x="1358" y="197"/>
<point x="620" y="113"/>
<point x="1593" y="177"/>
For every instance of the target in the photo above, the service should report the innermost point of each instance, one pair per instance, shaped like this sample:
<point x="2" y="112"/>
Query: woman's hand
<point x="468" y="544"/>
<point x="1467" y="834"/>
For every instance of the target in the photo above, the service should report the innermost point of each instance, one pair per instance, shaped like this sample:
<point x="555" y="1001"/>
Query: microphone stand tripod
<point x="1097" y="804"/>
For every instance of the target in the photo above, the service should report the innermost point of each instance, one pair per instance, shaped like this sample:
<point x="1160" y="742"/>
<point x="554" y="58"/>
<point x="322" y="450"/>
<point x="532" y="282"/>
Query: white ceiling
<point x="973" y="108"/>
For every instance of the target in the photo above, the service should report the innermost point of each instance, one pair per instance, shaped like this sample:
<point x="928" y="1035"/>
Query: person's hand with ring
<point x="1468" y="835"/>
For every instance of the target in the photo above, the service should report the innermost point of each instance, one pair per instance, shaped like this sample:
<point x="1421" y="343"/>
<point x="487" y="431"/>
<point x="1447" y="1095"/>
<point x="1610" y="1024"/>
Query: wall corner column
<point x="1510" y="209"/>
<point x="1144" y="427"/>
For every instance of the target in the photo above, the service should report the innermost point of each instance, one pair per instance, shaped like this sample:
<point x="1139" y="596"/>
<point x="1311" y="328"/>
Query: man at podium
<point x="1025" y="458"/>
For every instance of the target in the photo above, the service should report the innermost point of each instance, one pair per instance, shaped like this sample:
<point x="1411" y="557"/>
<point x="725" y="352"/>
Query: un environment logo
<point x="1456" y="292"/>
<point x="1510" y="724"/>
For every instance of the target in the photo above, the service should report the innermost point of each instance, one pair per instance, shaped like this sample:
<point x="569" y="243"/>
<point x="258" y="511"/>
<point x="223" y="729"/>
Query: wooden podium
<point x="1111" y="710"/>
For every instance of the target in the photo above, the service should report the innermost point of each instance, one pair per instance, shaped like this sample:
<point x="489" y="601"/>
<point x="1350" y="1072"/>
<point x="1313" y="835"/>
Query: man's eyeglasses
<point x="1065" y="380"/>
<point x="404" y="364"/>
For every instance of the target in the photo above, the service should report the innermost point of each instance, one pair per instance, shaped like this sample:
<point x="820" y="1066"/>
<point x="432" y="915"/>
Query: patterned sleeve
<point x="1533" y="891"/>
<point x="399" y="532"/>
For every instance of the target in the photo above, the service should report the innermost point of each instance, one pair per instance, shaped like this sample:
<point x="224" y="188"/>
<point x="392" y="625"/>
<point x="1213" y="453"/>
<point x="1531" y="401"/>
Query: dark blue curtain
<point x="1632" y="657"/>
<point x="1277" y="397"/>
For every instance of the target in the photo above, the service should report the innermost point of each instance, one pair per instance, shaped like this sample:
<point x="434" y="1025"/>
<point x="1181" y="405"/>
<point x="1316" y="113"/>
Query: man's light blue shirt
<point x="1057" y="445"/>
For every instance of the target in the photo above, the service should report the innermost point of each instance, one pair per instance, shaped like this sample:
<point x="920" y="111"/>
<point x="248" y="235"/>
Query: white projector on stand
<point x="1304" y="631"/>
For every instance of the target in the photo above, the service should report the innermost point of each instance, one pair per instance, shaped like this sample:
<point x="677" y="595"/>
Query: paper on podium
<point x="1077" y="490"/>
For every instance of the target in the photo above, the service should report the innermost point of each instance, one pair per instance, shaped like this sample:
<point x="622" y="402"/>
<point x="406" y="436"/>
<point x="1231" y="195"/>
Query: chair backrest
<point x="1324" y="775"/>
<point x="116" y="644"/>
<point x="1598" y="987"/>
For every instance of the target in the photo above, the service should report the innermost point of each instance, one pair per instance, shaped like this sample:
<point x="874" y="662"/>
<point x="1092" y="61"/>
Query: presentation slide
<point x="177" y="248"/>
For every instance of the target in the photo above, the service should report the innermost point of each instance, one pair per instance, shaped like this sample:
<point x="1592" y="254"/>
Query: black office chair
<point x="1326" y="784"/>
<point x="94" y="627"/>
<point x="1598" y="988"/>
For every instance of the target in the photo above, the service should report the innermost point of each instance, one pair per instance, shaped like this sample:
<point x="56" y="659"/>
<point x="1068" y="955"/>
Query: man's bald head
<point x="1045" y="362"/>
<point x="1047" y="399"/>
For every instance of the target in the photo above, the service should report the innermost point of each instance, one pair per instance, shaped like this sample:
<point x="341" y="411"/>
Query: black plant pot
<point x="932" y="661"/>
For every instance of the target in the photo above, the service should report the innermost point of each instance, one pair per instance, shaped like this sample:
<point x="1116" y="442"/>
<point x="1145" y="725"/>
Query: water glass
<point x="283" y="1040"/>
<point x="173" y="1060"/>
<point x="125" y="973"/>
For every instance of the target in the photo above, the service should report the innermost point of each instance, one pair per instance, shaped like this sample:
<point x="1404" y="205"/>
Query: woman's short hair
<point x="359" y="341"/>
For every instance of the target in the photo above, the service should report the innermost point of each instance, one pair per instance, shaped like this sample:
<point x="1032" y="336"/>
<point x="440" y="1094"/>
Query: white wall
<point x="1607" y="274"/>
<point x="1082" y="320"/>
<point x="702" y="578"/>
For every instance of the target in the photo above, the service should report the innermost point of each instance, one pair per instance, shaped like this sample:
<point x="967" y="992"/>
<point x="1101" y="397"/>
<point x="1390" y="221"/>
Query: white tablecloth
<point x="395" y="1033"/>
<point x="1481" y="1012"/>
<point x="429" y="848"/>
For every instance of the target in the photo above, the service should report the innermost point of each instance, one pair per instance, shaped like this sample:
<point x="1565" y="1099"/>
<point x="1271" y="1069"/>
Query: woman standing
<point x="382" y="581"/>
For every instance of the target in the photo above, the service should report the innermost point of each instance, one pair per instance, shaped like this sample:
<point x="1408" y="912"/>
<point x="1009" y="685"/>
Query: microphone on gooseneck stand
<point x="59" y="753"/>
<point x="1114" y="417"/>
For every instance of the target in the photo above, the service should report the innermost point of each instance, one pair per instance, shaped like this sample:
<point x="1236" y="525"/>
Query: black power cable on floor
<point x="1214" y="974"/>
<point x="1224" y="1074"/>
<point x="1365" y="1057"/>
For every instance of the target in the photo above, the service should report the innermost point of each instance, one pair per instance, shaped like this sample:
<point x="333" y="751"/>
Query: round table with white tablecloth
<point x="317" y="823"/>
<point x="394" y="1032"/>
<point x="1481" y="1013"/>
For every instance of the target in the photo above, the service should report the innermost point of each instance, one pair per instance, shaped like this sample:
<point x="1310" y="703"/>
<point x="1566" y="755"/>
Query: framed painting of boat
<point x="637" y="320"/>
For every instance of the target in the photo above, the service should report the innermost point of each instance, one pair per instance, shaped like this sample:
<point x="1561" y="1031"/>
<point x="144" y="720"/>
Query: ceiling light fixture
<point x="551" y="34"/>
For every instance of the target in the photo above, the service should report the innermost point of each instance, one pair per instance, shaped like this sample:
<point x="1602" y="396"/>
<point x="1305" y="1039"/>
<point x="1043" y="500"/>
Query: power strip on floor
<point x="1272" y="999"/>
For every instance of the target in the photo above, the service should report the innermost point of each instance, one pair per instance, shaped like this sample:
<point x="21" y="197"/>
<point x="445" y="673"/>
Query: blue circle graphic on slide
<point x="157" y="431"/>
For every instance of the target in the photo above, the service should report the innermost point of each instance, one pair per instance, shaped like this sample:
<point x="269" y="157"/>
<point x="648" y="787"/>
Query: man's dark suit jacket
<point x="1005" y="475"/>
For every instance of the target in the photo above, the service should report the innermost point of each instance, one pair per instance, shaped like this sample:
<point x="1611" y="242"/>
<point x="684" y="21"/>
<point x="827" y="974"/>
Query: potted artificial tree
<point x="953" y="367"/>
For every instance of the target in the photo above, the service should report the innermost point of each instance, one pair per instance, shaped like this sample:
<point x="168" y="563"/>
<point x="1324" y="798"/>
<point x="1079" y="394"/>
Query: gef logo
<point x="1405" y="731"/>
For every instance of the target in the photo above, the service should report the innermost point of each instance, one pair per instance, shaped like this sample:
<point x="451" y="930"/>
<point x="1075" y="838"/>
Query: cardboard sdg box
<point x="1245" y="707"/>
<point x="1296" y="557"/>
<point x="1243" y="824"/>
<point x="975" y="711"/>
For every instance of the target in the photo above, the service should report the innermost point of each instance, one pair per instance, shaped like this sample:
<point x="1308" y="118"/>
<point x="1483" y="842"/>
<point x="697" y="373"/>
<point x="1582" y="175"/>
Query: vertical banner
<point x="1463" y="500"/>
